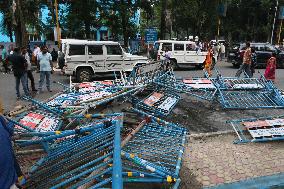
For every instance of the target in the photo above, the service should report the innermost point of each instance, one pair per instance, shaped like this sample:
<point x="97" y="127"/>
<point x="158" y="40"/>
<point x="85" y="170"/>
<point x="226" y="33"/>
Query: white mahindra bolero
<point x="182" y="53"/>
<point x="84" y="59"/>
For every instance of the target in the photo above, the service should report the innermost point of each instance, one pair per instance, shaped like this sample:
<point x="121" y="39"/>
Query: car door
<point x="76" y="54"/>
<point x="179" y="52"/>
<point x="114" y="58"/>
<point x="190" y="54"/>
<point x="96" y="57"/>
<point x="261" y="55"/>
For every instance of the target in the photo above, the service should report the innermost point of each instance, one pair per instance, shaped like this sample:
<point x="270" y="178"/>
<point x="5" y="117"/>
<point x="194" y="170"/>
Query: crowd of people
<point x="21" y="60"/>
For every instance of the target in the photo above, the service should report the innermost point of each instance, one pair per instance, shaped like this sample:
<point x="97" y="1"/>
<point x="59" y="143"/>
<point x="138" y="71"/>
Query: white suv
<point x="182" y="53"/>
<point x="83" y="58"/>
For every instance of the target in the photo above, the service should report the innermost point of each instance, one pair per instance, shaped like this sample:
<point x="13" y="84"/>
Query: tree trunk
<point x="124" y="23"/>
<point x="163" y="19"/>
<point x="20" y="28"/>
<point x="87" y="28"/>
<point x="10" y="31"/>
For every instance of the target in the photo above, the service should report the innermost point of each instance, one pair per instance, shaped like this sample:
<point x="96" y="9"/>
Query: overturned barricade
<point x="159" y="103"/>
<point x="259" y="129"/>
<point x="75" y="154"/>
<point x="154" y="154"/>
<point x="198" y="87"/>
<point x="248" y="93"/>
<point x="91" y="157"/>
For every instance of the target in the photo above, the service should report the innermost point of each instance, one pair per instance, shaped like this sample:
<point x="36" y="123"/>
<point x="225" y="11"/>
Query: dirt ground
<point x="200" y="116"/>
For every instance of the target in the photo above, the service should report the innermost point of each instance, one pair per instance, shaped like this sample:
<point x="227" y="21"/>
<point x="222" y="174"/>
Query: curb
<point x="211" y="134"/>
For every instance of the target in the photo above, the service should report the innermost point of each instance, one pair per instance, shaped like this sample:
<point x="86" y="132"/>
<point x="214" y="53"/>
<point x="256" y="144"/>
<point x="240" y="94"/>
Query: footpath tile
<point x="216" y="160"/>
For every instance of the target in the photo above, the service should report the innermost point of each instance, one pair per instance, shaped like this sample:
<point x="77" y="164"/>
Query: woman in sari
<point x="270" y="68"/>
<point x="208" y="61"/>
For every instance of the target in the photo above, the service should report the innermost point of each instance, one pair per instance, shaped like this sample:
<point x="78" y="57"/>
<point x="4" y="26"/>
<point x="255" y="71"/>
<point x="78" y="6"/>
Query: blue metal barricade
<point x="198" y="87"/>
<point x="160" y="103"/>
<point x="154" y="154"/>
<point x="84" y="157"/>
<point x="258" y="129"/>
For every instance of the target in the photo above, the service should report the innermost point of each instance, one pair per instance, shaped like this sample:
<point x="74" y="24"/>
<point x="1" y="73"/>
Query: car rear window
<point x="113" y="50"/>
<point x="76" y="50"/>
<point x="190" y="47"/>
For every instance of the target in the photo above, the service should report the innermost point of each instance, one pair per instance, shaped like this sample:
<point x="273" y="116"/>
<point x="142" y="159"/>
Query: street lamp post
<point x="274" y="20"/>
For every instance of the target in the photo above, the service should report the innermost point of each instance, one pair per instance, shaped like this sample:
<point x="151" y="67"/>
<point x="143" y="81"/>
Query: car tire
<point x="84" y="75"/>
<point x="174" y="64"/>
<point x="199" y="66"/>
<point x="236" y="65"/>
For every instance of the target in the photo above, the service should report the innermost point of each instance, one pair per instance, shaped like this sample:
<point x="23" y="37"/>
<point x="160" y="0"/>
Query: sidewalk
<point x="216" y="160"/>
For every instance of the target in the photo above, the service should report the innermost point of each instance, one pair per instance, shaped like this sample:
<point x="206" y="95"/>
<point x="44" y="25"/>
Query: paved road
<point x="7" y="83"/>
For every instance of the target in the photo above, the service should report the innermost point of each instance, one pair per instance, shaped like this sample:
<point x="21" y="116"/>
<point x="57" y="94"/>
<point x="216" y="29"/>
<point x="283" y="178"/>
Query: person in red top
<point x="269" y="73"/>
<point x="246" y="62"/>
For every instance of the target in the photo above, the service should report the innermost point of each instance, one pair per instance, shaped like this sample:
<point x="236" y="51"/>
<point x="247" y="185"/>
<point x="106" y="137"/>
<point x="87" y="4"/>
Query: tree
<point x="120" y="16"/>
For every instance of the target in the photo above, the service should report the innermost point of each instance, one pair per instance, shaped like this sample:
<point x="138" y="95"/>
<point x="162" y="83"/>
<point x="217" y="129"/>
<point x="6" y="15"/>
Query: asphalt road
<point x="8" y="95"/>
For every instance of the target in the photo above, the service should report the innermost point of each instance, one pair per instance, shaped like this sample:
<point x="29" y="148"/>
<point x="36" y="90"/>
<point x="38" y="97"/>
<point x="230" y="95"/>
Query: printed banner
<point x="168" y="103"/>
<point x="31" y="120"/>
<point x="247" y="86"/>
<point x="47" y="124"/>
<point x="267" y="132"/>
<point x="256" y="124"/>
<point x="155" y="97"/>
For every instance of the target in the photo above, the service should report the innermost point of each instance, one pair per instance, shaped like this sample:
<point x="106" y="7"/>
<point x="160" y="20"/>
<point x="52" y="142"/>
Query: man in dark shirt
<point x="19" y="66"/>
<point x="8" y="173"/>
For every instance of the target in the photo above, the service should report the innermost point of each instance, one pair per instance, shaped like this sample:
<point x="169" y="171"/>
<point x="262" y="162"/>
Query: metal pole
<point x="219" y="23"/>
<point x="57" y="22"/>
<point x="117" y="163"/>
<point x="280" y="30"/>
<point x="274" y="20"/>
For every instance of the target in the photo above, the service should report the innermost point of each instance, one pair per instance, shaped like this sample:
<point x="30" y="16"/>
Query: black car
<point x="263" y="53"/>
<point x="233" y="52"/>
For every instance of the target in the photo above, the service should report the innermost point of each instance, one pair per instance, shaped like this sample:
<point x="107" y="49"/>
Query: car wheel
<point x="174" y="64"/>
<point x="199" y="66"/>
<point x="236" y="66"/>
<point x="84" y="75"/>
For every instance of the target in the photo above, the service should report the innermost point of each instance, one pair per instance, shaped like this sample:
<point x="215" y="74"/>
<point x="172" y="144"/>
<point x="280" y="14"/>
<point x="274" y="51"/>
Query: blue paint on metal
<point x="117" y="164"/>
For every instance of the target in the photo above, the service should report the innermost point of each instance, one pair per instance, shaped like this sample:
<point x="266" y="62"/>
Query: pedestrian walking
<point x="61" y="61"/>
<point x="45" y="67"/>
<point x="223" y="51"/>
<point x="253" y="61"/>
<point x="54" y="55"/>
<point x="215" y="52"/>
<point x="19" y="66"/>
<point x="29" y="69"/>
<point x="208" y="61"/>
<point x="168" y="55"/>
<point x="269" y="73"/>
<point x="246" y="62"/>
<point x="4" y="61"/>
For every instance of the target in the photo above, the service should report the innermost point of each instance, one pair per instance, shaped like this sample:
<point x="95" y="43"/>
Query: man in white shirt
<point x="223" y="51"/>
<point x="45" y="67"/>
<point x="29" y="68"/>
<point x="35" y="54"/>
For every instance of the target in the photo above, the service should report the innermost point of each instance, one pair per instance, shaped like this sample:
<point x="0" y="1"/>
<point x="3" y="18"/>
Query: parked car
<point x="233" y="52"/>
<point x="84" y="59"/>
<point x="183" y="53"/>
<point x="263" y="53"/>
